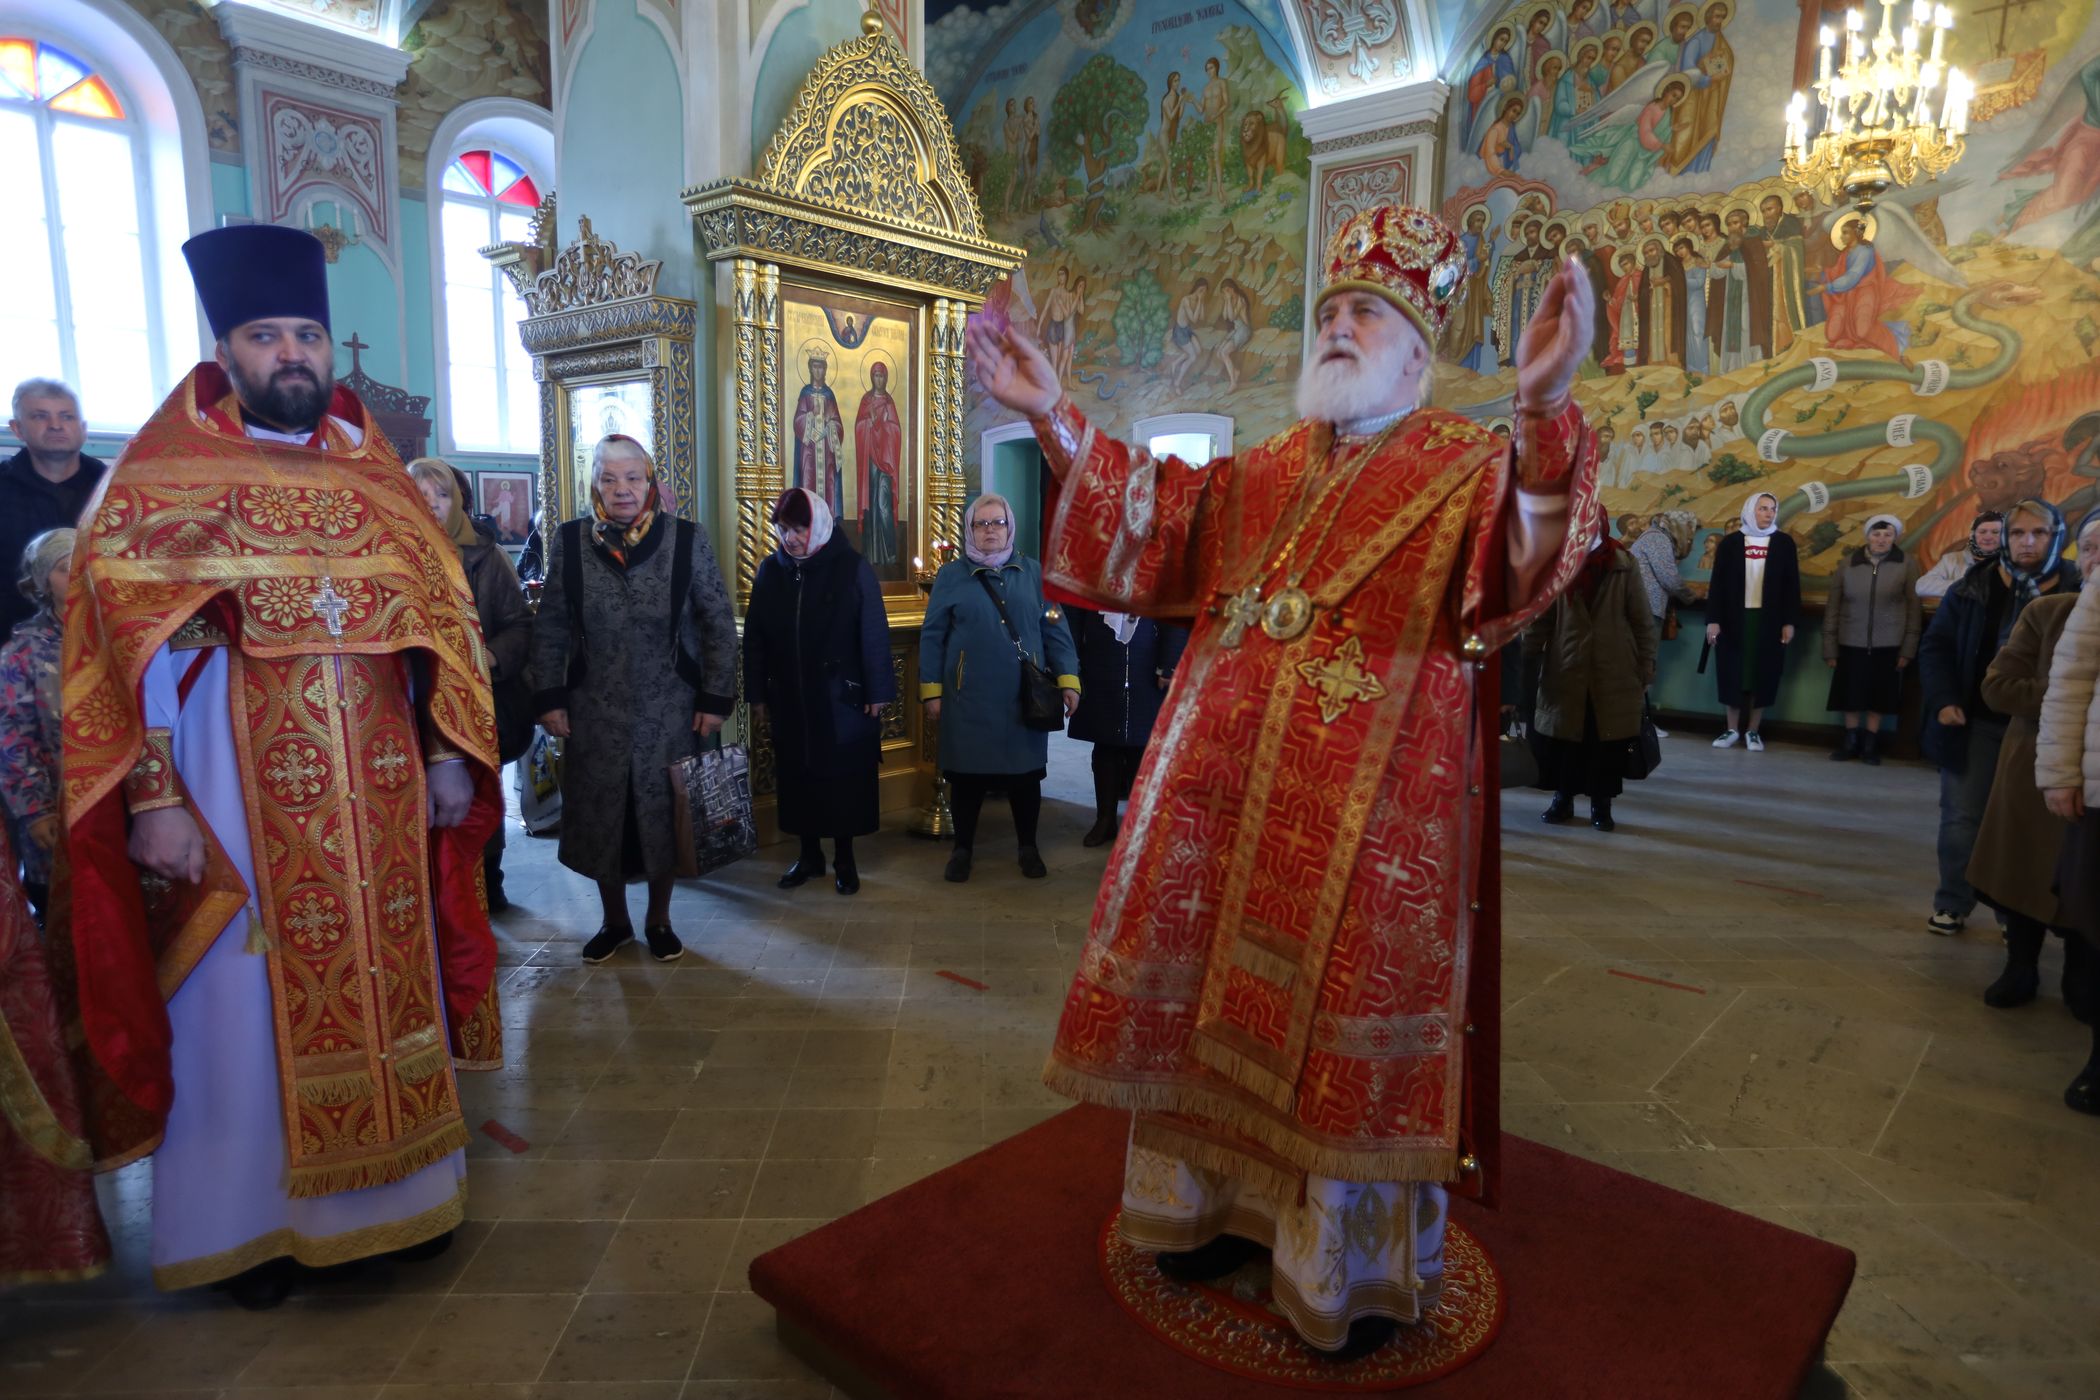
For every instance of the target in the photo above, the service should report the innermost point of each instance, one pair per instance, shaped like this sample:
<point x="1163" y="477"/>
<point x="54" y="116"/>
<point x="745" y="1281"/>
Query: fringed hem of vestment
<point x="315" y="1252"/>
<point x="402" y="1162"/>
<point x="30" y="1278"/>
<point x="1436" y="1162"/>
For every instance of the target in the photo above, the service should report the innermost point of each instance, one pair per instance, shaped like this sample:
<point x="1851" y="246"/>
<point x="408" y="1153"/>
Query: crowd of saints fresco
<point x="1929" y="357"/>
<point x="1149" y="159"/>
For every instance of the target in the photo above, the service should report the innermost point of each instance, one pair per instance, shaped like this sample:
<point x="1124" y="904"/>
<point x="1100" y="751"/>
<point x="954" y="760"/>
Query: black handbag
<point x="1042" y="706"/>
<point x="1645" y="753"/>
<point x="515" y="721"/>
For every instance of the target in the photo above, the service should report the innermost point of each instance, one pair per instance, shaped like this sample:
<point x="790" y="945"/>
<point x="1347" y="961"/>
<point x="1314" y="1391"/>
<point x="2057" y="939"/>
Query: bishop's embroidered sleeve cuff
<point x="1548" y="445"/>
<point x="153" y="782"/>
<point x="1065" y="437"/>
<point x="438" y="751"/>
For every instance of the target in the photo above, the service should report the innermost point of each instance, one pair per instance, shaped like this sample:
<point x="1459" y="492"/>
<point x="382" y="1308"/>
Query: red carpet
<point x="983" y="1282"/>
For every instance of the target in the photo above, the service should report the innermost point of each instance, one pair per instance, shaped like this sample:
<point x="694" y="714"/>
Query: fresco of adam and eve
<point x="1929" y="355"/>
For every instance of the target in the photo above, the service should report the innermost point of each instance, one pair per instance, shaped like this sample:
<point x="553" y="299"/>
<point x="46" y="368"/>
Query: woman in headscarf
<point x="1596" y="646"/>
<point x="1986" y="537"/>
<point x="1871" y="620"/>
<point x="506" y="624"/>
<point x="633" y="653"/>
<point x="1752" y="607"/>
<point x="29" y="711"/>
<point x="970" y="678"/>
<point x="1125" y="665"/>
<point x="2014" y="867"/>
<point x="817" y="674"/>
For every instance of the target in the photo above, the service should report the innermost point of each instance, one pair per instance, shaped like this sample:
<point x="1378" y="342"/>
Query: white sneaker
<point x="1662" y="733"/>
<point x="1754" y="741"/>
<point x="1944" y="923"/>
<point x="1727" y="739"/>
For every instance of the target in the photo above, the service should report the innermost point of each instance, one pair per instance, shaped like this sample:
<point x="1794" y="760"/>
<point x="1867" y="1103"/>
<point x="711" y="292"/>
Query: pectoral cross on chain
<point x="329" y="606"/>
<point x="1242" y="610"/>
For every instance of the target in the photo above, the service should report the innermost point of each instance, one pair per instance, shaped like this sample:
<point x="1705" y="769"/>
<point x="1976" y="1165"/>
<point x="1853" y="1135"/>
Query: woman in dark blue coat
<point x="1125" y="664"/>
<point x="817" y="666"/>
<point x="970" y="678"/>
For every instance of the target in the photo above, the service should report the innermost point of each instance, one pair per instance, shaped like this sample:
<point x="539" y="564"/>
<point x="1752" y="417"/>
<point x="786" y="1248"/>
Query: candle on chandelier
<point x="1921" y="13"/>
<point x="1826" y="40"/>
<point x="1942" y="21"/>
<point x="1910" y="38"/>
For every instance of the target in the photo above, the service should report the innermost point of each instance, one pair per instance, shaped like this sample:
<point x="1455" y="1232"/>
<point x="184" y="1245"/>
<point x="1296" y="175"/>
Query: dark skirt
<point x="1866" y="679"/>
<point x="2078" y="877"/>
<point x="844" y="804"/>
<point x="1588" y="767"/>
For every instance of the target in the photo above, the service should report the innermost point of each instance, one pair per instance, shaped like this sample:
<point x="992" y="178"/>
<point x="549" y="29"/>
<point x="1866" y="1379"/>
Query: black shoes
<point x="1214" y="1260"/>
<point x="2084" y="1093"/>
<point x="958" y="866"/>
<point x="1101" y="832"/>
<point x="1870" y="748"/>
<point x="1600" y="816"/>
<point x="1848" y="748"/>
<point x="663" y="944"/>
<point x="848" y="881"/>
<point x="1366" y="1335"/>
<point x="1032" y="863"/>
<point x="262" y="1287"/>
<point x="2016" y="986"/>
<point x="428" y="1249"/>
<point x="1558" y="810"/>
<point x="802" y="872"/>
<point x="607" y="941"/>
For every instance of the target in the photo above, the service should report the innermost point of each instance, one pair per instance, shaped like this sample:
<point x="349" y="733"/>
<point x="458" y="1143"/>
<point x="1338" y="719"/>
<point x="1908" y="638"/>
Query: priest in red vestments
<point x="280" y="770"/>
<point x="1291" y="975"/>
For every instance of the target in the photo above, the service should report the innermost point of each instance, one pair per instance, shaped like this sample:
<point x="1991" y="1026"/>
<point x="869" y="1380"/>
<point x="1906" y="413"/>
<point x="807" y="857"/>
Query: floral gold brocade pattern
<point x="1235" y="1328"/>
<point x="153" y="781"/>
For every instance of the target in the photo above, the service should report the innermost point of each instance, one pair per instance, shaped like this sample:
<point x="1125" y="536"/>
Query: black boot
<point x="958" y="866"/>
<point x="1205" y="1262"/>
<point x="844" y="867"/>
<point x="1366" y="1335"/>
<point x="2084" y="1093"/>
<point x="808" y="866"/>
<point x="262" y="1287"/>
<point x="2081" y="981"/>
<point x="1559" y="809"/>
<point x="1870" y="748"/>
<point x="1103" y="830"/>
<point x="1600" y="814"/>
<point x="2022" y="977"/>
<point x="1847" y="749"/>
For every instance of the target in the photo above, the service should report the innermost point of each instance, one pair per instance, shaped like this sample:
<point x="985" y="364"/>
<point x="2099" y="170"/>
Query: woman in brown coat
<point x="499" y="605"/>
<point x="1596" y="645"/>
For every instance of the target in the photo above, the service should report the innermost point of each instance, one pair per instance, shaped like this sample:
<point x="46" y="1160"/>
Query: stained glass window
<point x="74" y="166"/>
<point x="492" y="401"/>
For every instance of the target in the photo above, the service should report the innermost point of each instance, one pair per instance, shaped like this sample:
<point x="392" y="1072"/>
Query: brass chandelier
<point x="1892" y="113"/>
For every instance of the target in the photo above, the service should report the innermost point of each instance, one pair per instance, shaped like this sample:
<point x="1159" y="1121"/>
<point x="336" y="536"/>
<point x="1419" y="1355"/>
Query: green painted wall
<point x="801" y="39"/>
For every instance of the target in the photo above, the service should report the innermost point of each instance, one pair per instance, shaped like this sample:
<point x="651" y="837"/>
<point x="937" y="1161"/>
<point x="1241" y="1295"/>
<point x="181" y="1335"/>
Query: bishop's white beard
<point x="1370" y="385"/>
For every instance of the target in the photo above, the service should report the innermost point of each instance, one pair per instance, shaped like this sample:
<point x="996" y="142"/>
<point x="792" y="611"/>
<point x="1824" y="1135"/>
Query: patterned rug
<point x="1234" y="1325"/>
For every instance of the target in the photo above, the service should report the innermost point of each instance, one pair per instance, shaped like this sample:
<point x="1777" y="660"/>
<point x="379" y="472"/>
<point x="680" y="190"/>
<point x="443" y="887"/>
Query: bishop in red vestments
<point x="1291" y="974"/>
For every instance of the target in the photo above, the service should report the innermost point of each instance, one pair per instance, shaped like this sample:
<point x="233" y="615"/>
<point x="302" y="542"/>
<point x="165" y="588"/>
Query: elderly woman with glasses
<point x="633" y="653"/>
<point x="987" y="609"/>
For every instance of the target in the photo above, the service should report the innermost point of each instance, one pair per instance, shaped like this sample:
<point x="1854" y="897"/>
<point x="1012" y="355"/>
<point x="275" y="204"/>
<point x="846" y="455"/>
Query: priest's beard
<point x="1357" y="383"/>
<point x="293" y="399"/>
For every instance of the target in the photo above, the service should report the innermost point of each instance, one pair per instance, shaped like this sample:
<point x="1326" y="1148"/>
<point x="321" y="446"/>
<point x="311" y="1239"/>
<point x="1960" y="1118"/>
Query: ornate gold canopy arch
<point x="861" y="195"/>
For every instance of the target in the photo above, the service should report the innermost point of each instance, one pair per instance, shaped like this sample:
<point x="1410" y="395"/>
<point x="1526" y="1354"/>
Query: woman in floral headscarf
<point x="628" y="663"/>
<point x="29" y="711"/>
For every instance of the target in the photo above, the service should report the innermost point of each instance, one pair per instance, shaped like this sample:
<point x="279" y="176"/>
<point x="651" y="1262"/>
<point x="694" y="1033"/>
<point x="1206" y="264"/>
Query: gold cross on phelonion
<point x="1341" y="680"/>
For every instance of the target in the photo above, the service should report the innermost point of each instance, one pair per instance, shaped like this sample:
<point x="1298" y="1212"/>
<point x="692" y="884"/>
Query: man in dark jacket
<point x="1962" y="734"/>
<point x="46" y="485"/>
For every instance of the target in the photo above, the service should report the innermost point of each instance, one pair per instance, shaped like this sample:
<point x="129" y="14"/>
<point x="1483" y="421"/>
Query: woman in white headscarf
<point x="987" y="609"/>
<point x="1752" y="608"/>
<point x="817" y="671"/>
<point x="1871" y="621"/>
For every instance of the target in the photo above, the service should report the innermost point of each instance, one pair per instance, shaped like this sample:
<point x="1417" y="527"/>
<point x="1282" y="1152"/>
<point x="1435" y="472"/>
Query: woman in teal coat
<point x="970" y="678"/>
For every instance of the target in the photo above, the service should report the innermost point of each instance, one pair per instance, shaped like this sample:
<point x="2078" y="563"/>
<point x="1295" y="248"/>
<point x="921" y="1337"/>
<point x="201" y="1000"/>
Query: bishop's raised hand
<point x="1011" y="367"/>
<point x="1556" y="339"/>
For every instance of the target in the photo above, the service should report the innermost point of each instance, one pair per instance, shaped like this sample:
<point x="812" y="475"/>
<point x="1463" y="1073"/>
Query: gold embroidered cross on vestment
<point x="1341" y="680"/>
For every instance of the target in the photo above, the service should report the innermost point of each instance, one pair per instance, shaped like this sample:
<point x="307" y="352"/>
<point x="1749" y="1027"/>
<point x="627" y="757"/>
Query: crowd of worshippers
<point x="2005" y="665"/>
<point x="625" y="660"/>
<point x="2005" y="669"/>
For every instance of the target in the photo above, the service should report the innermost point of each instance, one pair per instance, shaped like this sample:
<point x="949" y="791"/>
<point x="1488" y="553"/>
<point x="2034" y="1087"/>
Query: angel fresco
<point x="1500" y="146"/>
<point x="1575" y="94"/>
<point x="2066" y="147"/>
<point x="1622" y="144"/>
<point x="1494" y="72"/>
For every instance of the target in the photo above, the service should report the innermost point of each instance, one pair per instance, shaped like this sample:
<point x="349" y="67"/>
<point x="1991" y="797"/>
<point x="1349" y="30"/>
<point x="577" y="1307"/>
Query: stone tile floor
<point x="1802" y="1050"/>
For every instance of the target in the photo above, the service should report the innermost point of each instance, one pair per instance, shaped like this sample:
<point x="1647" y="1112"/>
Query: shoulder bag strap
<point x="1000" y="604"/>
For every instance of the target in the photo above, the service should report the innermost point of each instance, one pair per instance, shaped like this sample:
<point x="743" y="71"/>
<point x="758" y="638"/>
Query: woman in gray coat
<point x="633" y="653"/>
<point x="970" y="678"/>
<point x="1871" y="621"/>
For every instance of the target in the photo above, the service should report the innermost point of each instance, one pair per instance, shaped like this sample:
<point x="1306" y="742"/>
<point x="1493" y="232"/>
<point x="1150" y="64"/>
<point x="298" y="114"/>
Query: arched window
<point x="491" y="397"/>
<point x="73" y="160"/>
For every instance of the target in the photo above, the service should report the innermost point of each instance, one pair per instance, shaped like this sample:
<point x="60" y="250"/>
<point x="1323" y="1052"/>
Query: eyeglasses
<point x="997" y="524"/>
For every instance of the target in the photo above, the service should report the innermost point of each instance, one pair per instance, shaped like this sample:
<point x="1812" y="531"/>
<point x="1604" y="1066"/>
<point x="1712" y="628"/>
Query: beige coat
<point x="2014" y="860"/>
<point x="2067" y="748"/>
<point x="1599" y="652"/>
